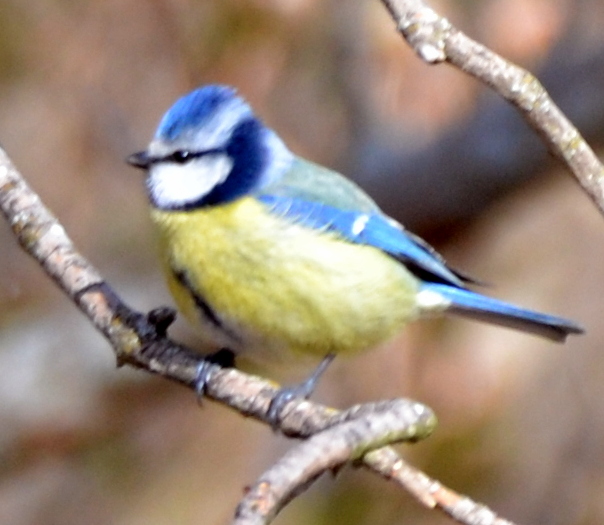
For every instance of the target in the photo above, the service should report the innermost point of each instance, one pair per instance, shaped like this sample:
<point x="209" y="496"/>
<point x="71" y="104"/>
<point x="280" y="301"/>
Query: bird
<point x="273" y="256"/>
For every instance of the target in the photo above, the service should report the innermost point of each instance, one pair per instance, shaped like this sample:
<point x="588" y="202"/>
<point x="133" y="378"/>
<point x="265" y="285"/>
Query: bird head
<point x="210" y="148"/>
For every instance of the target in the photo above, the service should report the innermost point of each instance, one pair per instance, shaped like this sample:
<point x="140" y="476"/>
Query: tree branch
<point x="140" y="340"/>
<point x="436" y="40"/>
<point x="360" y="429"/>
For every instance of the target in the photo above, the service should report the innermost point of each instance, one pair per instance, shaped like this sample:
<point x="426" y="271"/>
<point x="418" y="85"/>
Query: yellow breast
<point x="275" y="286"/>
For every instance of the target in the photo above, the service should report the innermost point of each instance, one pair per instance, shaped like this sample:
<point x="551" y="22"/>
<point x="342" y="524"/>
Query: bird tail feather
<point x="475" y="306"/>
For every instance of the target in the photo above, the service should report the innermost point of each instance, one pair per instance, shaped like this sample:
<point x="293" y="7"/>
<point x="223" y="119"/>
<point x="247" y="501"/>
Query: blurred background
<point x="83" y="84"/>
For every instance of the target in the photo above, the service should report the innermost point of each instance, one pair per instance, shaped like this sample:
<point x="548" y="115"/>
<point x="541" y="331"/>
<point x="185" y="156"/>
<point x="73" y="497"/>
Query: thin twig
<point x="436" y="40"/>
<point x="431" y="493"/>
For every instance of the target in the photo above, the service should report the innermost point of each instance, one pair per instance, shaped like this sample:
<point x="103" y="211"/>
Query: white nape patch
<point x="359" y="224"/>
<point x="430" y="301"/>
<point x="280" y="158"/>
<point x="171" y="184"/>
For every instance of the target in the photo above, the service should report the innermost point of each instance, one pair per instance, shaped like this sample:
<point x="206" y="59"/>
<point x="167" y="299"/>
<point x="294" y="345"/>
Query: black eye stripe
<point x="184" y="156"/>
<point x="180" y="156"/>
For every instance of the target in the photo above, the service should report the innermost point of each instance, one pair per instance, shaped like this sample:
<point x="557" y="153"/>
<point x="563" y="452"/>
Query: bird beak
<point x="140" y="160"/>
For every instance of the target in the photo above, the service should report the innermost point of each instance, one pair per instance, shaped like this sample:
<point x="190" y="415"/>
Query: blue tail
<point x="470" y="304"/>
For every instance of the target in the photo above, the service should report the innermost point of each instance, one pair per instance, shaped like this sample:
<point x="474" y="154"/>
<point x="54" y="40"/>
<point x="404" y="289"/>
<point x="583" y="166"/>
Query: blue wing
<point x="370" y="228"/>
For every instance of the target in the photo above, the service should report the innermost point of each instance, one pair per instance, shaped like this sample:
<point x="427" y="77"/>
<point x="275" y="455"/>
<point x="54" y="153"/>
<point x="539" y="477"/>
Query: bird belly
<point x="257" y="283"/>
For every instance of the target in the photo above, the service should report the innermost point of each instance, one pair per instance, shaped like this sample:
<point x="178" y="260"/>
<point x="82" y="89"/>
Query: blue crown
<point x="193" y="110"/>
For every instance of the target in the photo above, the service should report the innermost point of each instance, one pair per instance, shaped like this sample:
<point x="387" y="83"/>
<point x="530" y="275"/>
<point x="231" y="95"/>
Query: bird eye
<point x="179" y="156"/>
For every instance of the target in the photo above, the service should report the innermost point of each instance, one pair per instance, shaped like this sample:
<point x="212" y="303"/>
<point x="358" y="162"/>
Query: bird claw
<point x="298" y="392"/>
<point x="223" y="358"/>
<point x="161" y="318"/>
<point x="281" y="398"/>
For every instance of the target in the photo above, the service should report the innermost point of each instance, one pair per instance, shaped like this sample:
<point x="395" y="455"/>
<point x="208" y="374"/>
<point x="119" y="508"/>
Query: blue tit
<point x="272" y="255"/>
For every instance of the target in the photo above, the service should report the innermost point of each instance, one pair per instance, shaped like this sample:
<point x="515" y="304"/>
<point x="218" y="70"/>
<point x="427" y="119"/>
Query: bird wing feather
<point x="369" y="228"/>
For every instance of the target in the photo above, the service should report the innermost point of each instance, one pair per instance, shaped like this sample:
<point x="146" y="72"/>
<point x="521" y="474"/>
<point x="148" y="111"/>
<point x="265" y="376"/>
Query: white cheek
<point x="172" y="185"/>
